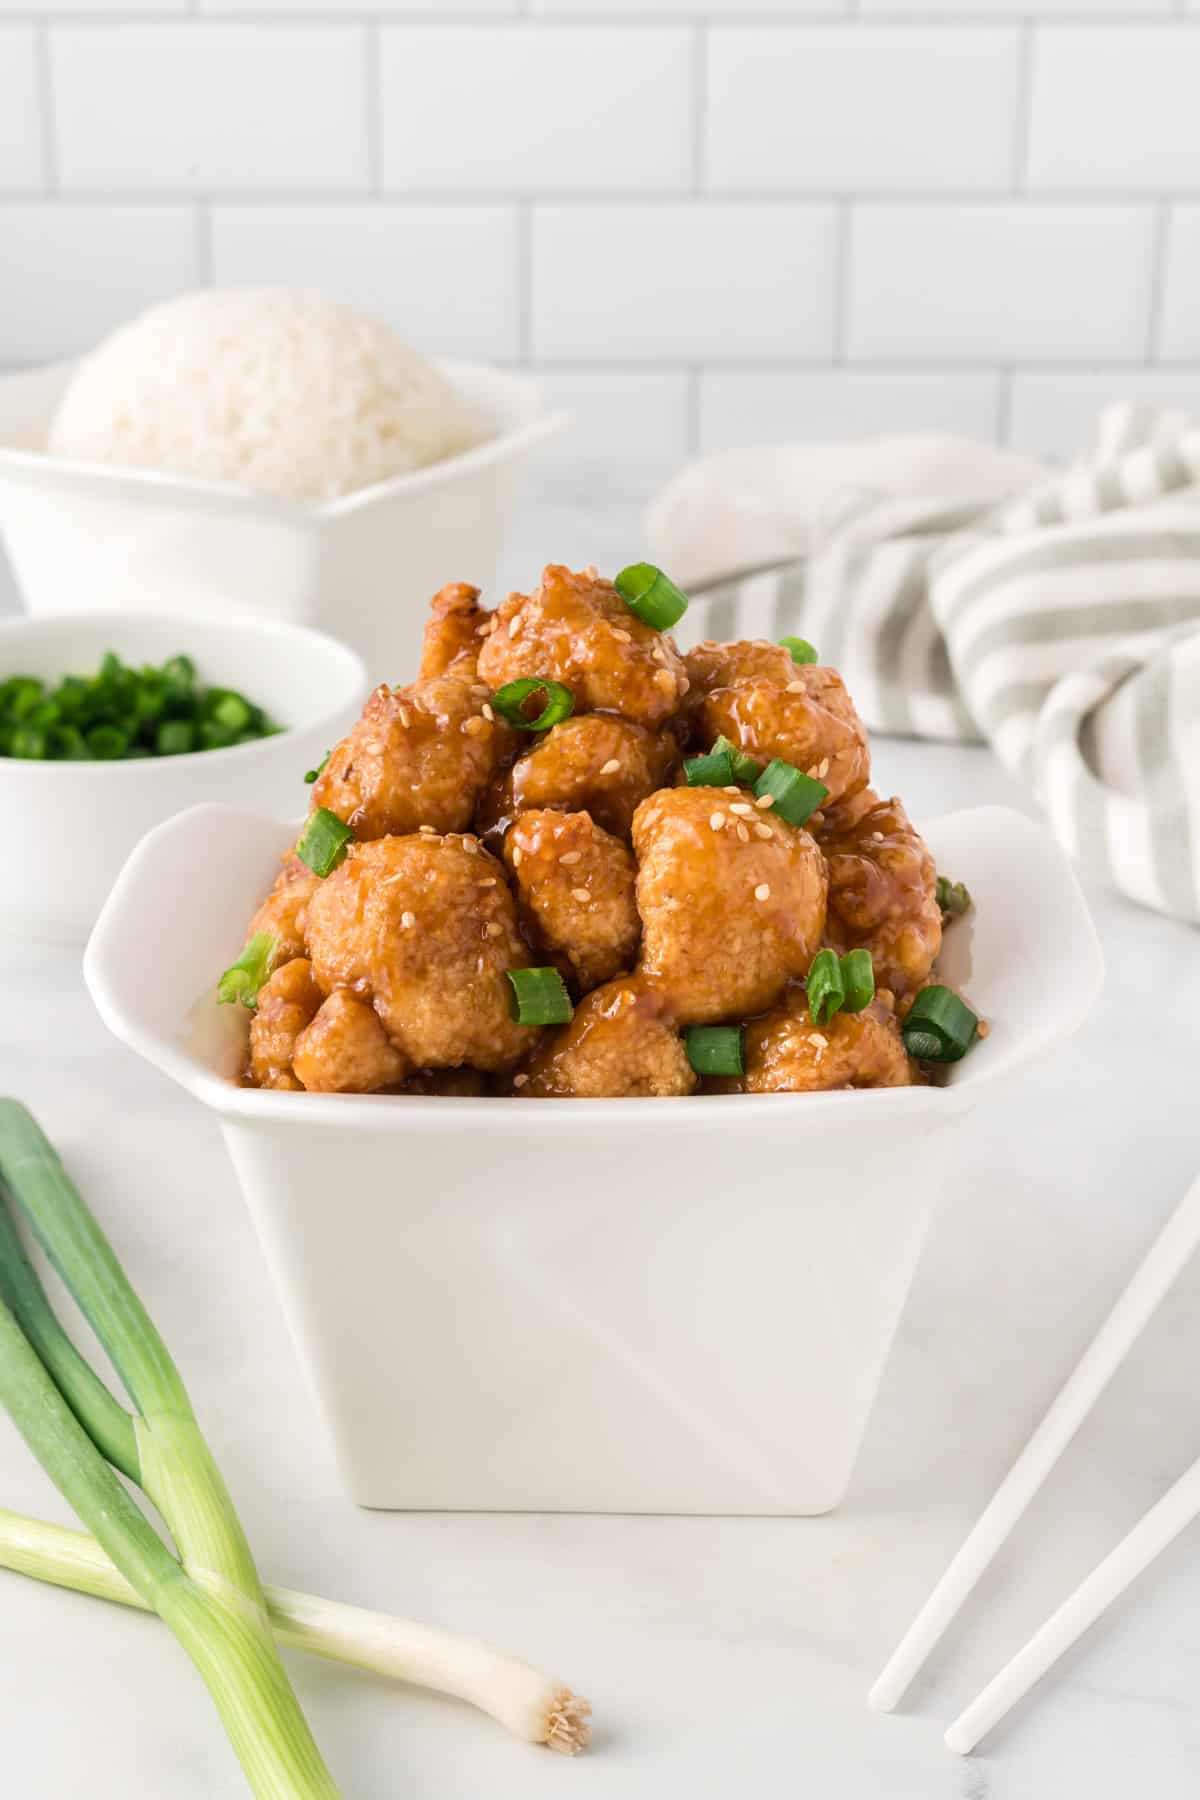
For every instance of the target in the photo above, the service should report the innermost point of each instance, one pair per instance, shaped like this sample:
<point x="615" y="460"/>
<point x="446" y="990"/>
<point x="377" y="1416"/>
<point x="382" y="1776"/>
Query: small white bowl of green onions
<point x="110" y="723"/>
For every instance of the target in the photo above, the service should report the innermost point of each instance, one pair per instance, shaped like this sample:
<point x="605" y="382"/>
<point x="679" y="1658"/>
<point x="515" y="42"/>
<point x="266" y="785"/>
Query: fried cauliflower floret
<point x="419" y="755"/>
<point x="423" y="928"/>
<point x="882" y="892"/>
<point x="287" y="1004"/>
<point x="282" y="912"/>
<point x="787" y="1054"/>
<point x="577" y="629"/>
<point x="345" y="1050"/>
<point x="575" y="886"/>
<point x="754" y="694"/>
<point x="621" y="1044"/>
<point x="593" y="763"/>
<point x="732" y="902"/>
<point x="452" y="633"/>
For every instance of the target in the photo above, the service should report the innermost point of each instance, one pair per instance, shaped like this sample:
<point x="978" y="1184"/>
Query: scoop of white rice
<point x="282" y="391"/>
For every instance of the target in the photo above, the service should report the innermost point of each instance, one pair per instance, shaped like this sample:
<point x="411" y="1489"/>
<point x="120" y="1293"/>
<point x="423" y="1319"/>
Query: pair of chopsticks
<point x="1159" y="1527"/>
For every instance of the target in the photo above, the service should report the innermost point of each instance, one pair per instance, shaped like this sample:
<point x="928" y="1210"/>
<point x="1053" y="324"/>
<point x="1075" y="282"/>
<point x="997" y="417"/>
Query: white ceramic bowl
<point x="69" y="826"/>
<point x="589" y="1305"/>
<point x="85" y="538"/>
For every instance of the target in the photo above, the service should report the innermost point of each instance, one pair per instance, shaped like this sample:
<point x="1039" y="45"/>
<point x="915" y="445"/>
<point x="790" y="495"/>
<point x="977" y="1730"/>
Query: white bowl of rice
<point x="262" y="451"/>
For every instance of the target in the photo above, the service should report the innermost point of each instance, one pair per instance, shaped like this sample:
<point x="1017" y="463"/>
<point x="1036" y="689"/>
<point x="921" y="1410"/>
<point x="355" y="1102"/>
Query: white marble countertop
<point x="721" y="1656"/>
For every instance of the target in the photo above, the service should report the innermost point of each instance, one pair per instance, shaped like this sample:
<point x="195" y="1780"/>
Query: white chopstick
<point x="1095" y="1368"/>
<point x="1136" y="1551"/>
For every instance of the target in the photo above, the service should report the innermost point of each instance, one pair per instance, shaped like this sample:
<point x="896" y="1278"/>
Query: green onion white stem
<point x="531" y="1705"/>
<point x="211" y="1597"/>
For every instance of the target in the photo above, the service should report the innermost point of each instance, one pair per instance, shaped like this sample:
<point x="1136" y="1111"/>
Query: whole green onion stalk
<point x="531" y="1705"/>
<point x="210" y="1595"/>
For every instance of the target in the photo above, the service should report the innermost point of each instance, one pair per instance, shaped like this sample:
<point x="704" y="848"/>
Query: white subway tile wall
<point x="705" y="222"/>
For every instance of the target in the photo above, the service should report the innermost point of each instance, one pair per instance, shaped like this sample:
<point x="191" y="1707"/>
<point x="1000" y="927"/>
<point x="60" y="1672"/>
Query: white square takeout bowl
<point x="83" y="537"/>
<point x="589" y="1305"/>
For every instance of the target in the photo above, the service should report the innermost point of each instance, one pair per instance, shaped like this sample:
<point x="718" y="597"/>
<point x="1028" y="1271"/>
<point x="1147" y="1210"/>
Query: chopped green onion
<point x="938" y="1018"/>
<point x="511" y="699"/>
<point x="174" y="737"/>
<point x="232" y="711"/>
<point x="323" y="842"/>
<point x="713" y="770"/>
<point x="858" y="979"/>
<point x="826" y="990"/>
<point x="312" y="775"/>
<point x="649" y="594"/>
<point x="106" y="743"/>
<point x="745" y="768"/>
<point x="29" y="743"/>
<point x="952" y="897"/>
<point x="539" y="997"/>
<point x="716" y="1049"/>
<point x="243" y="978"/>
<point x="800" y="649"/>
<point x="796" y="795"/>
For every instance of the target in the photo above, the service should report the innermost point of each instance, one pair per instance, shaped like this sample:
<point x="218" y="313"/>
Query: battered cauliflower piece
<point x="592" y="762"/>
<point x="346" y="1050"/>
<point x="453" y="633"/>
<point x="621" y="1044"/>
<point x="577" y="629"/>
<point x="282" y="912"/>
<point x="287" y="1003"/>
<point x="575" y="885"/>
<point x="732" y="901"/>
<point x="787" y="1054"/>
<point x="424" y="927"/>
<point x="882" y="892"/>
<point x="419" y="755"/>
<point x="754" y="694"/>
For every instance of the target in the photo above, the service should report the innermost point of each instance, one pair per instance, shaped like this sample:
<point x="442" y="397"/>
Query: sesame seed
<point x="658" y="653"/>
<point x="622" y="637"/>
<point x="473" y="727"/>
<point x="684" y="684"/>
<point x="484" y="629"/>
<point x="427" y="830"/>
<point x="514" y="628"/>
<point x="877" y="837"/>
<point x="494" y="930"/>
<point x="490" y="882"/>
<point x="405" y="717"/>
<point x="762" y="891"/>
<point x="717" y="820"/>
<point x="822" y="1043"/>
<point x="885" y="997"/>
<point x="743" y="835"/>
<point x="983" y="1028"/>
<point x="611" y="767"/>
<point x="408" y="920"/>
<point x="580" y="894"/>
<point x="824" y="768"/>
<point x="795" y="687"/>
<point x="735" y="791"/>
<point x="516" y="854"/>
<point x="591" y="573"/>
<point x="764" y="801"/>
<point x="743" y="811"/>
<point x="520" y="1080"/>
<point x="479" y="965"/>
<point x="480" y="691"/>
<point x="488" y="714"/>
<point x="666" y="681"/>
<point x="764" y="832"/>
<point x="572" y="856"/>
<point x="471" y="846"/>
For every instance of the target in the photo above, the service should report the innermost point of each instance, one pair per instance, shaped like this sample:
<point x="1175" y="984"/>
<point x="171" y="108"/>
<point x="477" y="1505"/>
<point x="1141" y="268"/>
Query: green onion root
<point x="529" y="1704"/>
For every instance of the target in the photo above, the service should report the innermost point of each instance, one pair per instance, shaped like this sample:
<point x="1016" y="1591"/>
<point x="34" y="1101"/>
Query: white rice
<point x="281" y="391"/>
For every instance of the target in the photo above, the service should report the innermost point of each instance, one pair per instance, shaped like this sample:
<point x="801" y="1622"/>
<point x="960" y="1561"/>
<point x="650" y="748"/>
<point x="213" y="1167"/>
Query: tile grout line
<point x="1023" y="119"/>
<point x="839" y="354"/>
<point x="1156" y="312"/>
<point x="204" y="244"/>
<point x="525" y="282"/>
<point x="373" y="117"/>
<point x="700" y="42"/>
<point x="45" y="92"/>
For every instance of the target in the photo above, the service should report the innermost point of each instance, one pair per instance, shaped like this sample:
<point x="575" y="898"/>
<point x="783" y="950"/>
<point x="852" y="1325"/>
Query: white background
<point x="707" y="223"/>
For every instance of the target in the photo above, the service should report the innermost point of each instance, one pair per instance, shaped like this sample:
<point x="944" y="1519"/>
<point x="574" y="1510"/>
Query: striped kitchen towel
<point x="965" y="593"/>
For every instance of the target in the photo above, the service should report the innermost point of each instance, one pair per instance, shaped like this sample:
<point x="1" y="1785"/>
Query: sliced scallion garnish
<point x="745" y="768"/>
<point x="713" y="770"/>
<point x="716" y="1049"/>
<point x="539" y="997"/>
<point x="243" y="978"/>
<point x="323" y="842"/>
<point x="858" y="980"/>
<point x="799" y="649"/>
<point x="311" y="775"/>
<point x="952" y="897"/>
<point x="510" y="702"/>
<point x="826" y="990"/>
<point x="938" y="1018"/>
<point x="651" y="596"/>
<point x="796" y="795"/>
